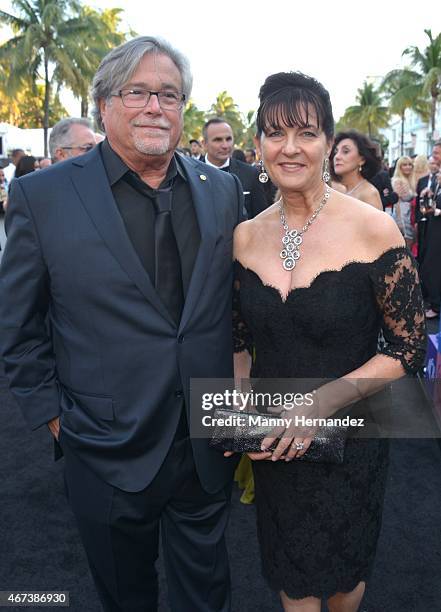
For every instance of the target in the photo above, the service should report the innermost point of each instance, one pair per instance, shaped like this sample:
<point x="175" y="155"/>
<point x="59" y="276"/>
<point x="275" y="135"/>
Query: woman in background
<point x="420" y="168"/>
<point x="25" y="166"/>
<point x="354" y="159"/>
<point x="403" y="183"/>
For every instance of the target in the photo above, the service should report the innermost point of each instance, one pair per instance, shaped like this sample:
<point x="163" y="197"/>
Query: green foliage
<point x="25" y="109"/>
<point x="194" y="120"/>
<point x="227" y="109"/>
<point x="427" y="65"/>
<point x="368" y="115"/>
<point x="55" y="42"/>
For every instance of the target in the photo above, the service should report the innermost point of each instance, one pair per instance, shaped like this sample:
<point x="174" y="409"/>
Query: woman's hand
<point x="294" y="441"/>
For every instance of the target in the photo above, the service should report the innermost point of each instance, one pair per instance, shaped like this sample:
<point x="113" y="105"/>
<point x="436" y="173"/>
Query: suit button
<point x="180" y="339"/>
<point x="179" y="393"/>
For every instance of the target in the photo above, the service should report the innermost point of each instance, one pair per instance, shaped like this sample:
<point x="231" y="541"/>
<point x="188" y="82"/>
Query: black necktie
<point x="168" y="275"/>
<point x="225" y="168"/>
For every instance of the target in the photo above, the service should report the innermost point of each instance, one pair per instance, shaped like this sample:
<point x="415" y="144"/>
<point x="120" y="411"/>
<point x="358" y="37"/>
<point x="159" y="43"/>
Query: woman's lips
<point x="290" y="167"/>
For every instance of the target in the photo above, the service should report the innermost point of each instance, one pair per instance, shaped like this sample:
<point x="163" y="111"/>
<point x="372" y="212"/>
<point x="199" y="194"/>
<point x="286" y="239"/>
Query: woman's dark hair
<point x="25" y="166"/>
<point x="289" y="97"/>
<point x="366" y="148"/>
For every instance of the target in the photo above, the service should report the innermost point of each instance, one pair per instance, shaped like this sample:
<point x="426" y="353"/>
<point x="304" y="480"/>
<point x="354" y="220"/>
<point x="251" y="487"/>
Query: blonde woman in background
<point x="420" y="168"/>
<point x="403" y="183"/>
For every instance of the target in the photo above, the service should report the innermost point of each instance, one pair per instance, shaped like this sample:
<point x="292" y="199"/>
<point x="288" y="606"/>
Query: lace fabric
<point x="394" y="280"/>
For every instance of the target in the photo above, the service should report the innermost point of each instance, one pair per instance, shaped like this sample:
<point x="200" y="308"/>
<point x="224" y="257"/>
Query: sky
<point x="235" y="45"/>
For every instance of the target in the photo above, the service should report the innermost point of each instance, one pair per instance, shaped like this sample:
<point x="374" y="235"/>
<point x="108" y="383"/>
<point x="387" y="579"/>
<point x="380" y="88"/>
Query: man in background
<point x="196" y="149"/>
<point x="71" y="137"/>
<point x="16" y="156"/>
<point x="250" y="157"/>
<point x="219" y="144"/>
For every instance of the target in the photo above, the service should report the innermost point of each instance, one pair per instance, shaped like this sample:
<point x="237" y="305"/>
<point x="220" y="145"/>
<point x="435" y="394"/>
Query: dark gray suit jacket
<point x="116" y="368"/>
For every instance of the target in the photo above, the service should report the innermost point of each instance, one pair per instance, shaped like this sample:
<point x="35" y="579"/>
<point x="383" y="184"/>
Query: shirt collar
<point x="224" y="165"/>
<point x="116" y="168"/>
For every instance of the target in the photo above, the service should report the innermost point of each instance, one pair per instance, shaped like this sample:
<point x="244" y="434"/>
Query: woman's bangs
<point x="291" y="111"/>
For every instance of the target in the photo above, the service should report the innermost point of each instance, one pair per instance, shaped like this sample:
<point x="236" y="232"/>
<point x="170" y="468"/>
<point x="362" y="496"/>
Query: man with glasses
<point x="71" y="137"/>
<point x="128" y="250"/>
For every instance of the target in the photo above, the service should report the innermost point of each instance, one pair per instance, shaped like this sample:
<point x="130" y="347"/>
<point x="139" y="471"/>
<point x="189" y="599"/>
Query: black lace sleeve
<point x="242" y="338"/>
<point x="397" y="290"/>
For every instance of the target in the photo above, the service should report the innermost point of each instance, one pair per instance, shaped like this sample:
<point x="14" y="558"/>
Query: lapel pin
<point x="202" y="177"/>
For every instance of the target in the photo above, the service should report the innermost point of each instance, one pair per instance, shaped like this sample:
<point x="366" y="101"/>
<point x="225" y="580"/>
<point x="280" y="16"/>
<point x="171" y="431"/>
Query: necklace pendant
<point x="292" y="239"/>
<point x="289" y="264"/>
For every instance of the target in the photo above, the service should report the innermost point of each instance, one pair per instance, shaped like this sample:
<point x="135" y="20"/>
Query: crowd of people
<point x="136" y="266"/>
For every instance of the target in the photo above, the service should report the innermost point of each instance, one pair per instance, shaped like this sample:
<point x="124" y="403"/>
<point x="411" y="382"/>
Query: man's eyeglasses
<point x="85" y="148"/>
<point x="139" y="98"/>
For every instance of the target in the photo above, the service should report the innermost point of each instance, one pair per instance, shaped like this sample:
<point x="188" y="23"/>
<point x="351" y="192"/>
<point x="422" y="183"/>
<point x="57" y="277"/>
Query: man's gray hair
<point x="118" y="66"/>
<point x="60" y="134"/>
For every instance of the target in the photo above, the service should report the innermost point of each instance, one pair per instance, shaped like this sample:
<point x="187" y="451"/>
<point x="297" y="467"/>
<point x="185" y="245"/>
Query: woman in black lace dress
<point x="314" y="308"/>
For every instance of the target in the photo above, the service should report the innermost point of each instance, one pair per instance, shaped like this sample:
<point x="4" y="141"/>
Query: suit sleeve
<point x="25" y="343"/>
<point x="241" y="210"/>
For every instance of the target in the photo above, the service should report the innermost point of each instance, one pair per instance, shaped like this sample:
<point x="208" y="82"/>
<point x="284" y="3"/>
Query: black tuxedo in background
<point x="382" y="181"/>
<point x="426" y="181"/>
<point x="429" y="245"/>
<point x="255" y="199"/>
<point x="116" y="369"/>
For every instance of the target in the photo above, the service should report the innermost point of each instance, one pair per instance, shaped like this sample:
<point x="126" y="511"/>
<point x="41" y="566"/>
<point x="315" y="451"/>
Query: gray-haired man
<point x="71" y="137"/>
<point x="128" y="250"/>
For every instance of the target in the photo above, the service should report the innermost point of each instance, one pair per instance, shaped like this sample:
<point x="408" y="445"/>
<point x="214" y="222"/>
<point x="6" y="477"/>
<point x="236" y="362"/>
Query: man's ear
<point x="60" y="154"/>
<point x="102" y="105"/>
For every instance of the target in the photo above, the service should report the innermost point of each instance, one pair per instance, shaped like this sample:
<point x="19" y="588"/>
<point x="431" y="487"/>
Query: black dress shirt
<point x="138" y="212"/>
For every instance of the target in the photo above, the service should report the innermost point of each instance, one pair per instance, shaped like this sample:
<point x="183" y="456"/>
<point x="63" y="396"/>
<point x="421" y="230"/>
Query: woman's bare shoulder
<point x="245" y="233"/>
<point x="374" y="231"/>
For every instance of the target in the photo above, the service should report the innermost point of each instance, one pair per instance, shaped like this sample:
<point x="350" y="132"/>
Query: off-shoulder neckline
<point x="353" y="262"/>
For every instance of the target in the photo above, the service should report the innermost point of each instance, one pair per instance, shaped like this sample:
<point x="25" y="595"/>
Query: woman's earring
<point x="360" y="168"/>
<point x="263" y="177"/>
<point x="326" y="176"/>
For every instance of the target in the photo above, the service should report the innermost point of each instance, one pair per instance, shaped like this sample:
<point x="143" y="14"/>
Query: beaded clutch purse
<point x="241" y="435"/>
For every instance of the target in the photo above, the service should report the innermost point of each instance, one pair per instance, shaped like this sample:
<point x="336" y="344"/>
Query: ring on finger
<point x="299" y="445"/>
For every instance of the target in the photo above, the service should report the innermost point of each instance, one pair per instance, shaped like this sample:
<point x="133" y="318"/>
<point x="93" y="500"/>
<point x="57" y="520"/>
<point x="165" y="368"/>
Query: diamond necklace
<point x="292" y="239"/>
<point x="354" y="188"/>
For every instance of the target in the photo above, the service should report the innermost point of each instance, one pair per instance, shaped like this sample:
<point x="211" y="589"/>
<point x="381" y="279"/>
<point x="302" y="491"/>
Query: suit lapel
<point x="92" y="185"/>
<point x="203" y="200"/>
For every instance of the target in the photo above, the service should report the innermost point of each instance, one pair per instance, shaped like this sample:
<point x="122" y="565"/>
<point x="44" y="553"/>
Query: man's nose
<point x="153" y="105"/>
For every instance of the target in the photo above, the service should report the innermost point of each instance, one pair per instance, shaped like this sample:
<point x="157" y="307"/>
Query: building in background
<point x="30" y="140"/>
<point x="417" y="135"/>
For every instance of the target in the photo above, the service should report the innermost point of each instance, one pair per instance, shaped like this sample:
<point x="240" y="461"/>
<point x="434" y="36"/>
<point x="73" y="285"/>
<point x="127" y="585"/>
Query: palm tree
<point x="227" y="109"/>
<point x="96" y="41"/>
<point x="402" y="87"/>
<point x="369" y="114"/>
<point x="250" y="130"/>
<point x="47" y="35"/>
<point x="25" y="108"/>
<point x="194" y="120"/>
<point x="428" y="66"/>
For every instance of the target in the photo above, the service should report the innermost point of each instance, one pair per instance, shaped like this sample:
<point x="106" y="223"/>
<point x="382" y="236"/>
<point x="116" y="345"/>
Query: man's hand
<point x="54" y="427"/>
